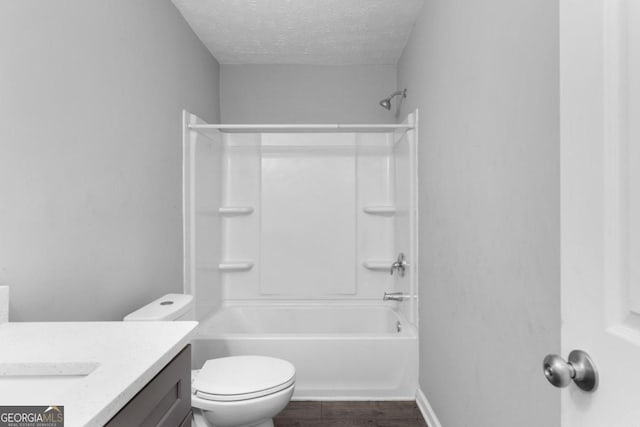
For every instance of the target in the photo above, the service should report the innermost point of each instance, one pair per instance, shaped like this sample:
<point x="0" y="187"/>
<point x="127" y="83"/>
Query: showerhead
<point x="386" y="103"/>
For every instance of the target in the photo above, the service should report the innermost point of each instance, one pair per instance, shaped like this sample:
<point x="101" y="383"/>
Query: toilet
<point x="236" y="391"/>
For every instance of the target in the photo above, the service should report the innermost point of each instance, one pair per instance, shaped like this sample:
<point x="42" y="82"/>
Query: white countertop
<point x="106" y="364"/>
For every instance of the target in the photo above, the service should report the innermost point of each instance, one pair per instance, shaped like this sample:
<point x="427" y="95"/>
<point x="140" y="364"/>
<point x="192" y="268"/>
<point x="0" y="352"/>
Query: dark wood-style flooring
<point x="348" y="414"/>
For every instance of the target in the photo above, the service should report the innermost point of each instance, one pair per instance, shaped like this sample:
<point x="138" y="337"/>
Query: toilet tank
<point x="169" y="307"/>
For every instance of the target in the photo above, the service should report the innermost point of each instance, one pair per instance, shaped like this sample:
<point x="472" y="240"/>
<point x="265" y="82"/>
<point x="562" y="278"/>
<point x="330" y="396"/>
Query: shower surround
<point x="290" y="234"/>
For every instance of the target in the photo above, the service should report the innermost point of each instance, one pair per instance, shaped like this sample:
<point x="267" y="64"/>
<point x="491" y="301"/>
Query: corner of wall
<point x="427" y="411"/>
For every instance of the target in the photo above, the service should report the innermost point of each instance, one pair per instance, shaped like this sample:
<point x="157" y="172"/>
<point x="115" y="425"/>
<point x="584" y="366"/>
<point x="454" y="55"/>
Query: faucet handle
<point x="393" y="267"/>
<point x="400" y="264"/>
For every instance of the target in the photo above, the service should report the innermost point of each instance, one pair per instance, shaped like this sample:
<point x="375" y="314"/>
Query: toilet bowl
<point x="241" y="391"/>
<point x="236" y="391"/>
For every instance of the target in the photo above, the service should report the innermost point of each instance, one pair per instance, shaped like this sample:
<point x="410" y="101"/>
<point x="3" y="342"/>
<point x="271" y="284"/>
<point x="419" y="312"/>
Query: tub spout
<point x="395" y="296"/>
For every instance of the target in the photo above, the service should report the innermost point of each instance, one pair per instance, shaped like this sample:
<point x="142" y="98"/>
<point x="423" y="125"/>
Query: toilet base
<point x="199" y="420"/>
<point x="256" y="412"/>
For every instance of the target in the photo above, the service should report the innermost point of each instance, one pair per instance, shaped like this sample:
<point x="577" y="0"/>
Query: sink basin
<point x="42" y="380"/>
<point x="43" y="369"/>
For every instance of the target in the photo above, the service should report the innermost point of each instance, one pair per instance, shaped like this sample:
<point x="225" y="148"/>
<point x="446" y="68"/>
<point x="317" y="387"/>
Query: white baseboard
<point x="426" y="409"/>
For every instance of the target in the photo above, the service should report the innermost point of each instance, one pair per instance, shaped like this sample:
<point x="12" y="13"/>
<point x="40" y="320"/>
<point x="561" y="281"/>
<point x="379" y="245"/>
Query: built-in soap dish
<point x="383" y="210"/>
<point x="377" y="265"/>
<point x="235" y="266"/>
<point x="235" y="210"/>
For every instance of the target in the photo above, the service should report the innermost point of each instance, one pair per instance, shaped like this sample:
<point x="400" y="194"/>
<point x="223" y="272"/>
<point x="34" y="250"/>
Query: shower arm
<point x="398" y="92"/>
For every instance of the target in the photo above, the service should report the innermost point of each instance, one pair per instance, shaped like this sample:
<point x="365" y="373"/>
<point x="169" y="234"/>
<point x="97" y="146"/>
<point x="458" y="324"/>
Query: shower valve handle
<point x="400" y="264"/>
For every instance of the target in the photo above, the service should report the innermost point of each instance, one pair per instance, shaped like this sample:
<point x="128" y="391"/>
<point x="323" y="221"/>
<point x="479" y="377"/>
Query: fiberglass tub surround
<point x="290" y="235"/>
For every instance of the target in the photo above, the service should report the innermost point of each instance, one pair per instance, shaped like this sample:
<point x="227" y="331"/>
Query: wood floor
<point x="347" y="414"/>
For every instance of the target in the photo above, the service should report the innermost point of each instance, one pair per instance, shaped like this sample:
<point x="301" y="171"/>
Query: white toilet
<point x="237" y="391"/>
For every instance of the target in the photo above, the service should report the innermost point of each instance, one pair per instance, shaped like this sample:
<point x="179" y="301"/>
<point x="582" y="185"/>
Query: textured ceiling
<point x="332" y="32"/>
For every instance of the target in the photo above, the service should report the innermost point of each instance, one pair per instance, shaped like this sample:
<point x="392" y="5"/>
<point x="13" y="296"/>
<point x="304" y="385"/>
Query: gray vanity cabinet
<point x="165" y="401"/>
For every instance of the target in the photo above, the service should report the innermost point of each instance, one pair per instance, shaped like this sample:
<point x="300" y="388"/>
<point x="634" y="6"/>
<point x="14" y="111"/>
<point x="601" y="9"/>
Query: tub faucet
<point x="394" y="296"/>
<point x="400" y="265"/>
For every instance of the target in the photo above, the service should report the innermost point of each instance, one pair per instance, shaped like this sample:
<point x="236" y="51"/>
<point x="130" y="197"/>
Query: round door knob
<point x="557" y="371"/>
<point x="579" y="368"/>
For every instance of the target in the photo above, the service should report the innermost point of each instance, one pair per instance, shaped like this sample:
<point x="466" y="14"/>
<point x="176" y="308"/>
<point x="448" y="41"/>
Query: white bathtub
<point x="353" y="352"/>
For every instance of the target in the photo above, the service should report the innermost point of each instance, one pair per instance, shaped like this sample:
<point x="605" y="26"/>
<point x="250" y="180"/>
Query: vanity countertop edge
<point x="120" y="359"/>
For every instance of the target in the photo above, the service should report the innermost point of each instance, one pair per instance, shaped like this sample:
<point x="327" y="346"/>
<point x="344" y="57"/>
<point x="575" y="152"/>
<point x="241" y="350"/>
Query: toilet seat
<point x="237" y="378"/>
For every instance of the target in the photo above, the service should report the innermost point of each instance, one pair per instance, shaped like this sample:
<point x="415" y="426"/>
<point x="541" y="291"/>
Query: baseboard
<point x="427" y="411"/>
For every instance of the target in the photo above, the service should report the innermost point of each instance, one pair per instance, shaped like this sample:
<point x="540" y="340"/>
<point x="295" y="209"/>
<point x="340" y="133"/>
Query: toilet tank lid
<point x="168" y="307"/>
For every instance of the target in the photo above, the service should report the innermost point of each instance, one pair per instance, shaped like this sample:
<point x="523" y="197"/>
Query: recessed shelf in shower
<point x="235" y="266"/>
<point x="235" y="210"/>
<point x="377" y="265"/>
<point x="384" y="210"/>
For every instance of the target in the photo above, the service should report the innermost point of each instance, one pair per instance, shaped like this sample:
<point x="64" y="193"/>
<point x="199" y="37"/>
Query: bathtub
<point x="340" y="351"/>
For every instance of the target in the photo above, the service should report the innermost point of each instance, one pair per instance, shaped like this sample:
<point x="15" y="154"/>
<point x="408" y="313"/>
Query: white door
<point x="600" y="206"/>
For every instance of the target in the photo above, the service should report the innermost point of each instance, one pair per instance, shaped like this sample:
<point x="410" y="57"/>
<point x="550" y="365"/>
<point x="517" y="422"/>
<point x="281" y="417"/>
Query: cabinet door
<point x="165" y="401"/>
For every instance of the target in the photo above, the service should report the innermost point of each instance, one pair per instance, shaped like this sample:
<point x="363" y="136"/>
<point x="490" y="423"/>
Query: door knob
<point x="580" y="368"/>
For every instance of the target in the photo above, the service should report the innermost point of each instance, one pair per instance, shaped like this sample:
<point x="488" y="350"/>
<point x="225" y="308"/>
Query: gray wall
<point x="485" y="77"/>
<point x="91" y="94"/>
<point x="305" y="93"/>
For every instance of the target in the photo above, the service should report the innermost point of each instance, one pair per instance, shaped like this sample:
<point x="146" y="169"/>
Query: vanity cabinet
<point x="165" y="401"/>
